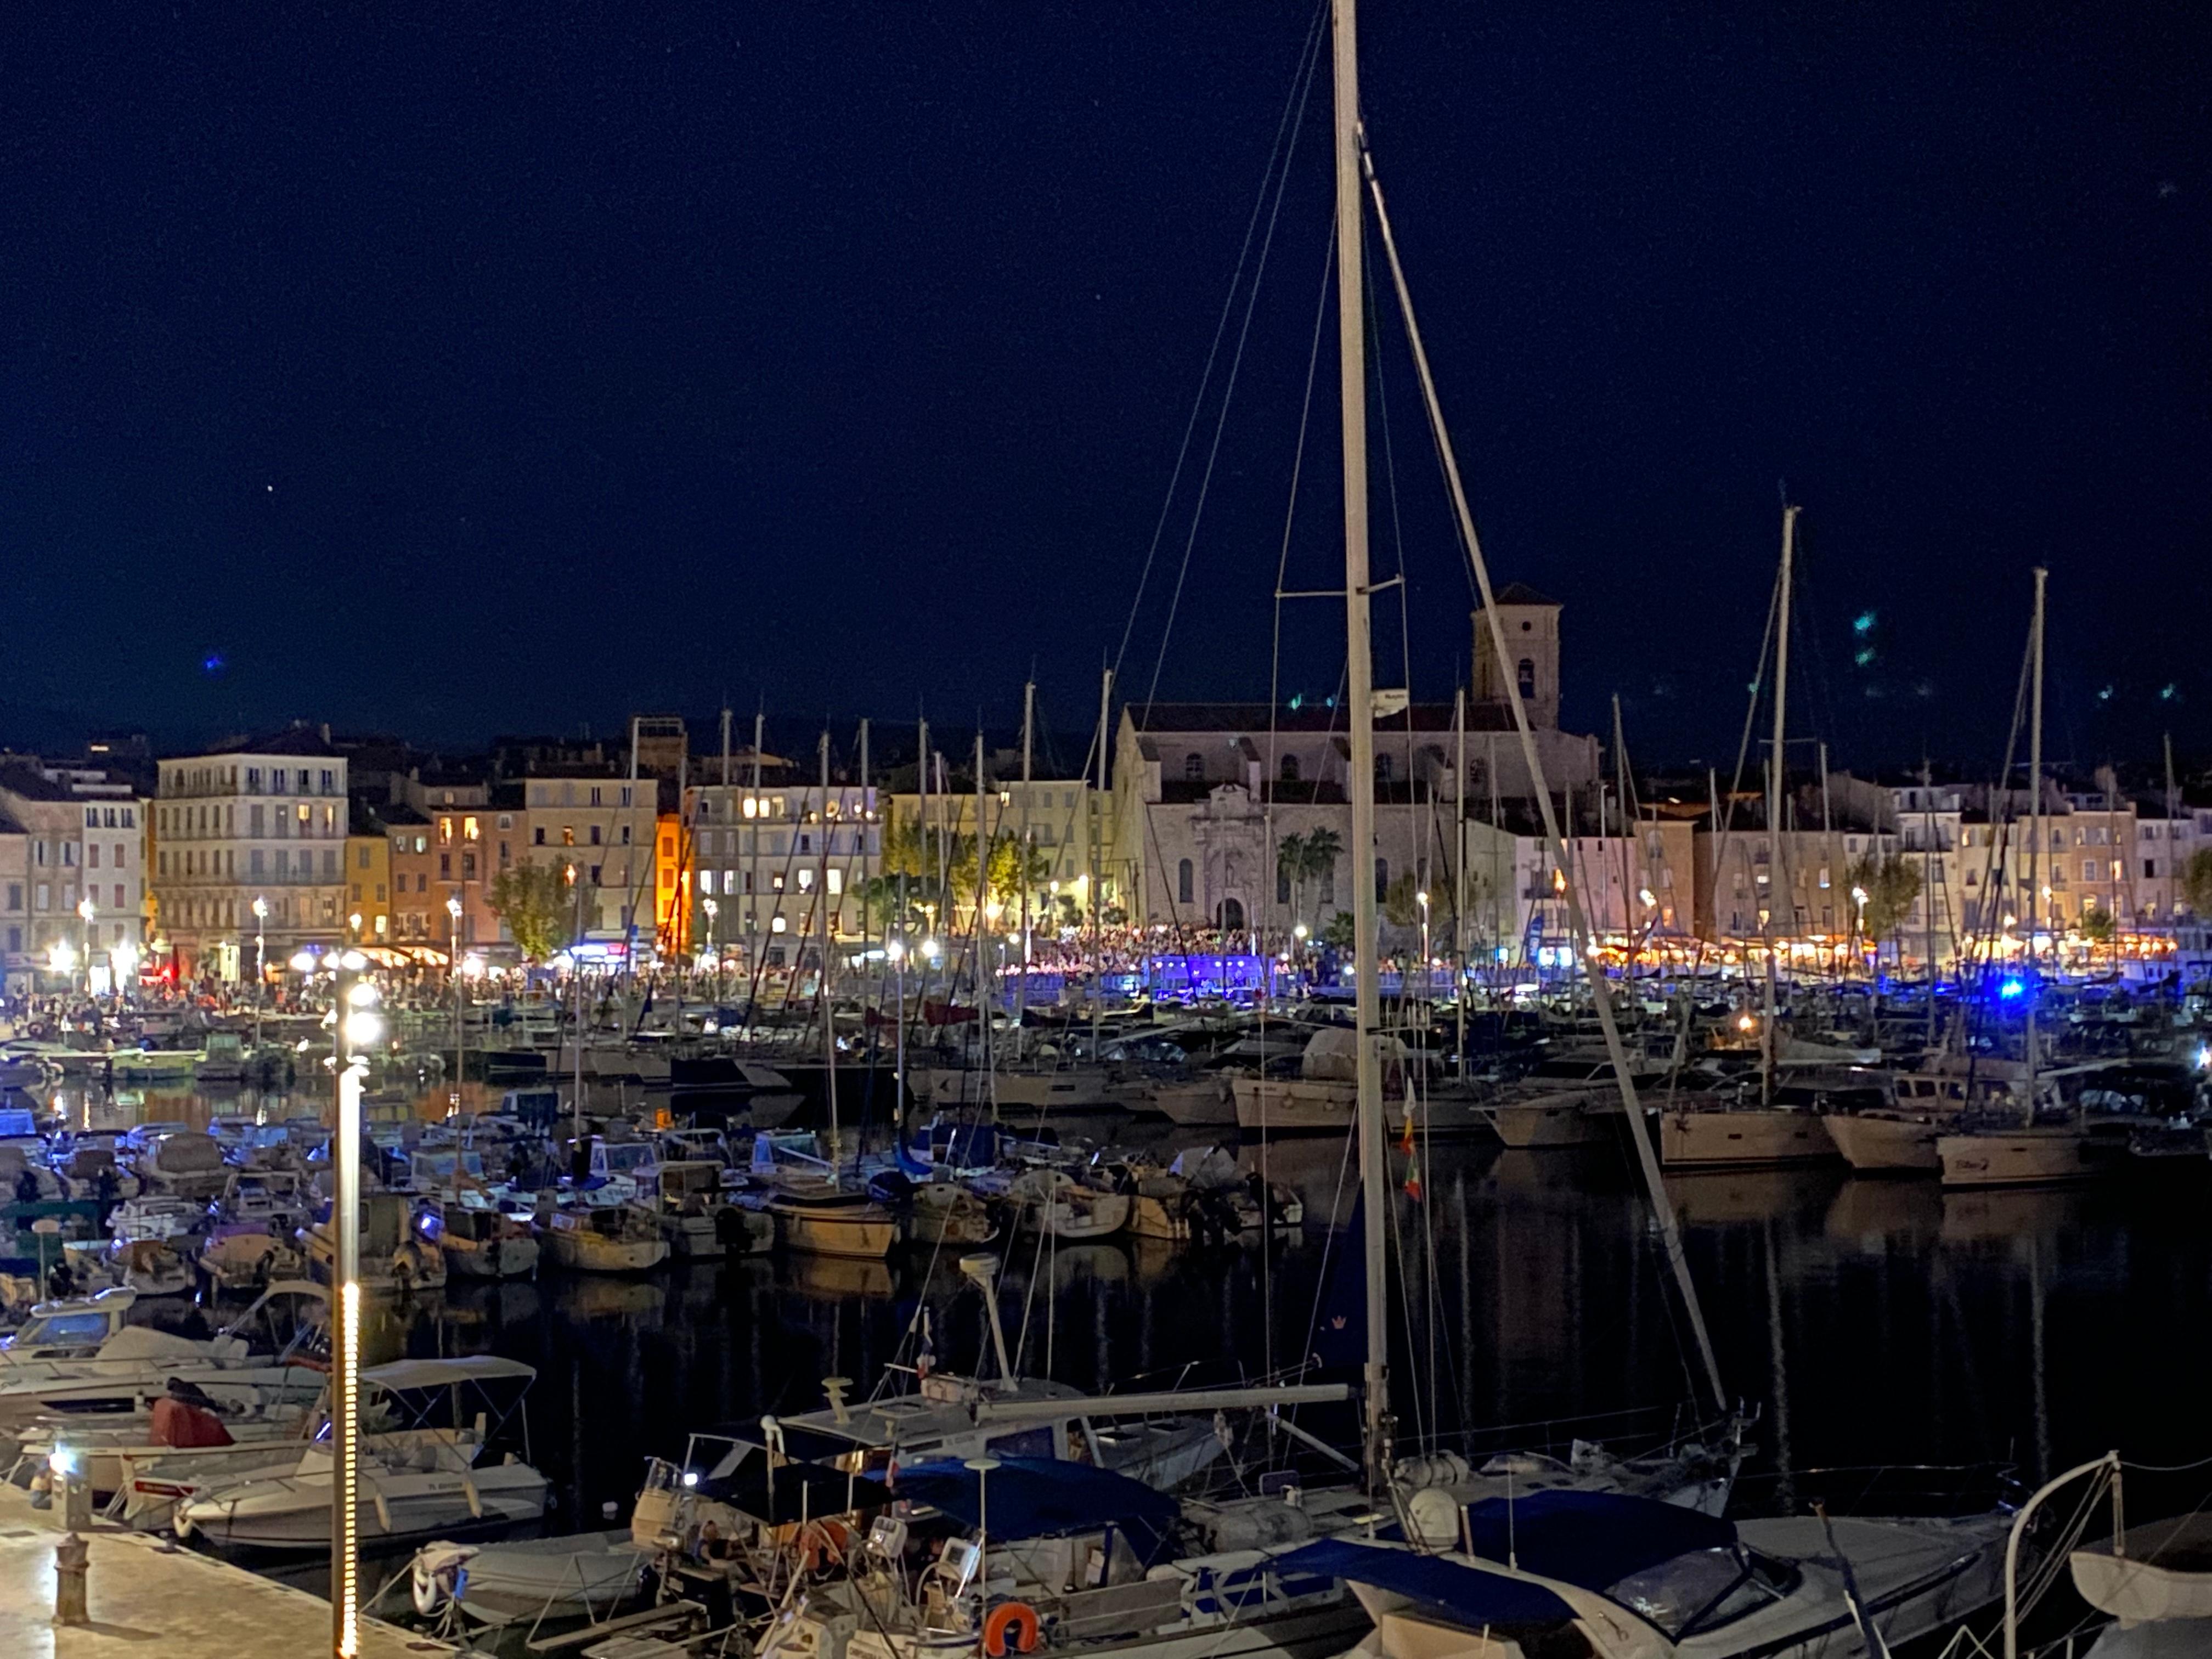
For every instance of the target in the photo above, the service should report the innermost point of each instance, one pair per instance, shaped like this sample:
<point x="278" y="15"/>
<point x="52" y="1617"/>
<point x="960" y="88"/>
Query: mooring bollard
<point x="72" y="1557"/>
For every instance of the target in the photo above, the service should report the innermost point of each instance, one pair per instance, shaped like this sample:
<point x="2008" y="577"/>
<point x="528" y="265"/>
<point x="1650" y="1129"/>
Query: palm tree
<point x="1322" y="848"/>
<point x="1291" y="859"/>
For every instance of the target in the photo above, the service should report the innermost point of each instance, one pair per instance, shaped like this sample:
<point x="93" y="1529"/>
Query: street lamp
<point x="260" y="969"/>
<point x="86" y="910"/>
<point x="355" y="1022"/>
<point x="453" y="975"/>
<point x="1422" y="899"/>
<point x="714" y="941"/>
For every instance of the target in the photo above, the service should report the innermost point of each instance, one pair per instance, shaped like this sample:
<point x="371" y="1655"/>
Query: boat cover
<point x="1591" y="1539"/>
<point x="1044" y="1498"/>
<point x="802" y="1491"/>
<point x="1469" y="1595"/>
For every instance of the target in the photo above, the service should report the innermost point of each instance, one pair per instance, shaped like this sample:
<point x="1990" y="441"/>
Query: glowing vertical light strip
<point x="345" y="1370"/>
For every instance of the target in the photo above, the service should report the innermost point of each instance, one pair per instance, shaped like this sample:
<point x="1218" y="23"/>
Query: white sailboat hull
<point x="1295" y="1106"/>
<point x="1558" y="1119"/>
<point x="1715" y="1140"/>
<point x="835" y="1229"/>
<point x="1877" y="1144"/>
<point x="2019" y="1158"/>
<point x="1195" y="1104"/>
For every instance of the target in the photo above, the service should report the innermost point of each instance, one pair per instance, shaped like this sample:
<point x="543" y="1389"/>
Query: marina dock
<point x="145" y="1598"/>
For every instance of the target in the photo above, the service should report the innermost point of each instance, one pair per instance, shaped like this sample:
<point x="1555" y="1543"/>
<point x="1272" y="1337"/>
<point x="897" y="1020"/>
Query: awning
<point x="1043" y="1497"/>
<point x="402" y="1373"/>
<point x="1470" y="1595"/>
<point x="1591" y="1539"/>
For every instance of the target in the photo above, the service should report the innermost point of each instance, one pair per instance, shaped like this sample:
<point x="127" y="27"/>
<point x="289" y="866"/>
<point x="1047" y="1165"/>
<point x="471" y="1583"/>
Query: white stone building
<point x="262" y="817"/>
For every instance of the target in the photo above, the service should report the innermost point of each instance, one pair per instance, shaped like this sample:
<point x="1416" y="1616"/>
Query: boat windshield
<point x="1703" y="1588"/>
<point x="625" y="1159"/>
<point x="55" y="1329"/>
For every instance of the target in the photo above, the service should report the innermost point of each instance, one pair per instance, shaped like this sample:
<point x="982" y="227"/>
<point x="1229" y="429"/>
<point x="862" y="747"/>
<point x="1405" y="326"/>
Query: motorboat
<point x="222" y="1059"/>
<point x="946" y="1212"/>
<point x="534" y="1580"/>
<point x="1069" y="1206"/>
<point x="423" y="1477"/>
<point x="719" y="1087"/>
<point x="483" y="1241"/>
<point x="1562" y="1102"/>
<point x="2019" y="1155"/>
<point x="255" y="1423"/>
<point x="1620" y="1578"/>
<point x="398" y="1251"/>
<point x="604" y="1239"/>
<point x="1020" y="1090"/>
<point x="1206" y="1194"/>
<point x="244" y="1254"/>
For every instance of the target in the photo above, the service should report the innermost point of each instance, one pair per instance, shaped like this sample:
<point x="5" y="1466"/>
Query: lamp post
<point x="1427" y="985"/>
<point x="86" y="910"/>
<point x="355" y="1025"/>
<point x="260" y="969"/>
<point x="714" y="942"/>
<point x="453" y="976"/>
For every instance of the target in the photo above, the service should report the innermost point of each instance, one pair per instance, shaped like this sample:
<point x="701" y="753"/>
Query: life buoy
<point x="1017" y="1618"/>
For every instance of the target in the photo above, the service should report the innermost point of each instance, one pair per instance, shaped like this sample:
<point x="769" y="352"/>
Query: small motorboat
<point x="606" y="1238"/>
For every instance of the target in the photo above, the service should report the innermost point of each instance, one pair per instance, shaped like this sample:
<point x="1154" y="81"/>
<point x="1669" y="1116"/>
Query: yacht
<point x="424" y="1476"/>
<point x="1611" y="1577"/>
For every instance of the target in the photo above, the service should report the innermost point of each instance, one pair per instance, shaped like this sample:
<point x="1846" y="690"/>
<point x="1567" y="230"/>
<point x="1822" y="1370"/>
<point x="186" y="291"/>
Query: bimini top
<point x="1590" y="1538"/>
<point x="1043" y="1497"/>
<point x="1468" y="1596"/>
<point x="408" y="1374"/>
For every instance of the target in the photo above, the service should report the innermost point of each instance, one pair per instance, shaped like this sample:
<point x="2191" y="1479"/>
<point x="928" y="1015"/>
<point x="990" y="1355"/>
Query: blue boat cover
<point x="1044" y="1498"/>
<point x="1590" y="1538"/>
<point x="1469" y="1595"/>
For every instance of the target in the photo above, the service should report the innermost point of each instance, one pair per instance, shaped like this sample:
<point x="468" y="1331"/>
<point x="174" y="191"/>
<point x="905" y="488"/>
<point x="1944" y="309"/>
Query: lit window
<point x="469" y="829"/>
<point x="837" y="881"/>
<point x="806" y="881"/>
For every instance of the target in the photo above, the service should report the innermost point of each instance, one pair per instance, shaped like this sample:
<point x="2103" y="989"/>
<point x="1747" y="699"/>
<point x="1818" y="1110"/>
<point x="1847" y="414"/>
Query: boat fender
<point x="1017" y="1619"/>
<point x="474" y="1497"/>
<point x="383" y="1510"/>
<point x="440" y="1574"/>
<point x="823" y="1541"/>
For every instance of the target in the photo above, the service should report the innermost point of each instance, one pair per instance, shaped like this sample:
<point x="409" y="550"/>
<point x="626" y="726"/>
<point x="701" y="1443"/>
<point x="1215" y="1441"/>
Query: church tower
<point x="1532" y="662"/>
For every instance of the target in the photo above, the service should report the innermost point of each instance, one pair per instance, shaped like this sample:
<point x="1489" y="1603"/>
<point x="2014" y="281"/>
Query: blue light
<point x="2012" y="988"/>
<point x="212" y="664"/>
<point x="1863" y="623"/>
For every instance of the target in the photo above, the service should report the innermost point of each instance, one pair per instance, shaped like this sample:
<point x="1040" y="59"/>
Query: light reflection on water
<point x="1872" y="1321"/>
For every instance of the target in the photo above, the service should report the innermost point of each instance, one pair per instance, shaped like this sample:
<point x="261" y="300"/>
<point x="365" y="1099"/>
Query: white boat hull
<point x="590" y="1253"/>
<point x="1716" y="1140"/>
<point x="1294" y="1106"/>
<point x="835" y="1229"/>
<point x="2017" y="1158"/>
<point x="1196" y="1105"/>
<point x="294" y="1513"/>
<point x="1874" y="1144"/>
<point x="1562" y="1118"/>
<point x="503" y="1258"/>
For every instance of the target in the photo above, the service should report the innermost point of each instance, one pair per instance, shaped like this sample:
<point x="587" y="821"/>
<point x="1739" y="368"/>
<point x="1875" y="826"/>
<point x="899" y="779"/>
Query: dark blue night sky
<point x="490" y="367"/>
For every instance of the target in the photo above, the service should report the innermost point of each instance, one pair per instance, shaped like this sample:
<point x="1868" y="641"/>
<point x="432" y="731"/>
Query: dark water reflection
<point x="1871" y="1321"/>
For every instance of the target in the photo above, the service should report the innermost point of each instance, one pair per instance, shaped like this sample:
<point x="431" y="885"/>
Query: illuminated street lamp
<point x="354" y="1023"/>
<point x="260" y="970"/>
<point x="453" y="975"/>
<point x="714" y="941"/>
<point x="86" y="910"/>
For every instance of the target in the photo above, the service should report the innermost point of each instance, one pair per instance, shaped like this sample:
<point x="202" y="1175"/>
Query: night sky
<point x="472" y="368"/>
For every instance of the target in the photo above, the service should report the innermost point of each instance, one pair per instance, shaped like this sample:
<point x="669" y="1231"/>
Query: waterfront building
<point x="262" y="817"/>
<point x="75" y="838"/>
<point x="368" y="877"/>
<point x="767" y="855"/>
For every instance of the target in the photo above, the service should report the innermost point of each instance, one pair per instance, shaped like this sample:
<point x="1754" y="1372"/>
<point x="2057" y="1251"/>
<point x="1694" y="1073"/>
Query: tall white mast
<point x="1777" y="886"/>
<point x="1359" y="687"/>
<point x="826" y="824"/>
<point x="2035" y="835"/>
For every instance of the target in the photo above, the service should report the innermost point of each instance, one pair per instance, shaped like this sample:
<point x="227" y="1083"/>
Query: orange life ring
<point x="1018" y="1617"/>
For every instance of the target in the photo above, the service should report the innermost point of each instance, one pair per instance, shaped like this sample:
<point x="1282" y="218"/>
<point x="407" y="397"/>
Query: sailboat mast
<point x="1459" y="870"/>
<point x="1095" y="839"/>
<point x="1777" y="875"/>
<point x="2035" y="836"/>
<point x="823" y="822"/>
<point x="1029" y="722"/>
<point x="1360" y="688"/>
<point x="756" y="940"/>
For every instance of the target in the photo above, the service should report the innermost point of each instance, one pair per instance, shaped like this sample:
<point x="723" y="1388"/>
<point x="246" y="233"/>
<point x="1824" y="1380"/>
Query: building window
<point x="469" y="829"/>
<point x="625" y="835"/>
<point x="538" y="835"/>
<point x="1382" y="878"/>
<point x="445" y="867"/>
<point x="567" y="835"/>
<point x="468" y="867"/>
<point x="1289" y="769"/>
<point x="595" y="834"/>
<point x="1525" y="676"/>
<point x="805" y="881"/>
<point x="595" y="794"/>
<point x="1194" y="768"/>
<point x="1183" y="871"/>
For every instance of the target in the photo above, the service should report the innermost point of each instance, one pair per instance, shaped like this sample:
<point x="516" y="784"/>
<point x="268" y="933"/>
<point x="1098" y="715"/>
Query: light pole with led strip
<point x="355" y="1025"/>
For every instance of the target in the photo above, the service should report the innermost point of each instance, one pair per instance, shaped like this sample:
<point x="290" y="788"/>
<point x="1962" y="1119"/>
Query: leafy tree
<point x="1890" y="884"/>
<point x="2100" y="926"/>
<point x="2197" y="881"/>
<point x="1307" y="859"/>
<point x="540" y="903"/>
<point x="1341" y="931"/>
<point x="1401" y="905"/>
<point x="1007" y="864"/>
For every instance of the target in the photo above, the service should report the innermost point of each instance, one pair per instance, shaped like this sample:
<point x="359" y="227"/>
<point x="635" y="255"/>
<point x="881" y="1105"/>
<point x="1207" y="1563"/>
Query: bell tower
<point x="1531" y="626"/>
